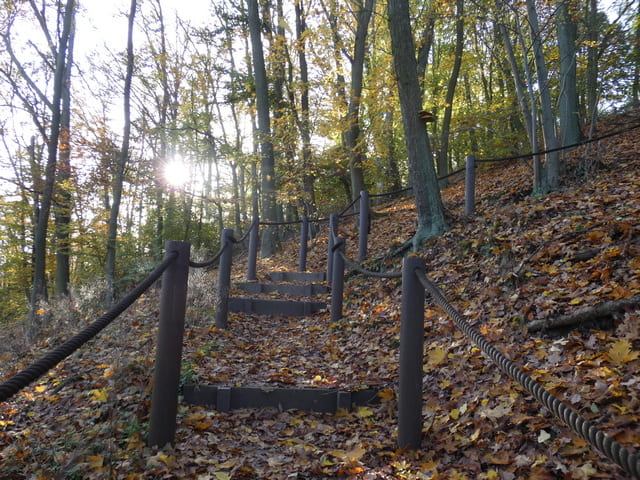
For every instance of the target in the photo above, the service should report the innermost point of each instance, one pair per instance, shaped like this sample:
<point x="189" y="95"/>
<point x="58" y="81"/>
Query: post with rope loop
<point x="304" y="237"/>
<point x="411" y="355"/>
<point x="337" y="284"/>
<point x="253" y="249"/>
<point x="166" y="376"/>
<point x="470" y="186"/>
<point x="364" y="226"/>
<point x="333" y="232"/>
<point x="224" y="279"/>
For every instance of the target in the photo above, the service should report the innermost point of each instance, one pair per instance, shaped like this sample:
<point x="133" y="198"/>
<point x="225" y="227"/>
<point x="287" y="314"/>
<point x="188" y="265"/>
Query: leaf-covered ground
<point x="520" y="259"/>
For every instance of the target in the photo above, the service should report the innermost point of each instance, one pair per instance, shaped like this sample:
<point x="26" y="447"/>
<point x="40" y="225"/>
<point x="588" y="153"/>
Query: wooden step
<point x="307" y="290"/>
<point x="307" y="277"/>
<point x="287" y="308"/>
<point x="314" y="399"/>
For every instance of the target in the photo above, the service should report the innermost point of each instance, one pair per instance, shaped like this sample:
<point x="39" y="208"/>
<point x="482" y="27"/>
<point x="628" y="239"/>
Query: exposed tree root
<point x="586" y="314"/>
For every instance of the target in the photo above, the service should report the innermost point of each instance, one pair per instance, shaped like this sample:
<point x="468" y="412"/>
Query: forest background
<point x="175" y="128"/>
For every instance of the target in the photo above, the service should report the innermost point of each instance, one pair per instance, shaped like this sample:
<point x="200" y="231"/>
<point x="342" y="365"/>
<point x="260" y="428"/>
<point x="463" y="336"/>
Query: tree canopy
<point x="524" y="77"/>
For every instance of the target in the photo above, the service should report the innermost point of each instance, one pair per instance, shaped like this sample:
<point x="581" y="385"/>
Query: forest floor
<point x="519" y="259"/>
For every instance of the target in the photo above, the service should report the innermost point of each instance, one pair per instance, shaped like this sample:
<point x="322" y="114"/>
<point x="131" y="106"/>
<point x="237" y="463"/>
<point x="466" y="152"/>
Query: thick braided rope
<point x="254" y="224"/>
<point x="346" y="209"/>
<point x="16" y="383"/>
<point x="351" y="264"/>
<point x="216" y="257"/>
<point x="210" y="262"/>
<point x="620" y="455"/>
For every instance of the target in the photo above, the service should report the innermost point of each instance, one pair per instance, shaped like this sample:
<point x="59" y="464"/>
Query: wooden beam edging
<point x="320" y="400"/>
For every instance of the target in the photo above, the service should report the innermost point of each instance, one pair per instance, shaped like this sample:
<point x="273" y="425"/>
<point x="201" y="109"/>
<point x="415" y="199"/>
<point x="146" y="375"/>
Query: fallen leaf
<point x="100" y="394"/>
<point x="620" y="352"/>
<point x="544" y="436"/>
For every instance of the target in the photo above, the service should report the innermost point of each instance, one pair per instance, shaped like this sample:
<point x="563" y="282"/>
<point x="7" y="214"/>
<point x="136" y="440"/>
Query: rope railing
<point x="254" y="224"/>
<point x="369" y="273"/>
<point x="411" y="360"/>
<point x="388" y="194"/>
<point x="38" y="368"/>
<point x="564" y="147"/>
<point x="210" y="262"/>
<point x="348" y="207"/>
<point x="216" y="257"/>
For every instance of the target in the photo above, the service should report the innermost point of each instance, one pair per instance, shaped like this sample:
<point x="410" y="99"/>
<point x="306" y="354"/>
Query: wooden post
<point x="253" y="250"/>
<point x="224" y="279"/>
<point x="333" y="231"/>
<point x="304" y="237"/>
<point x="364" y="226"/>
<point x="411" y="345"/>
<point x="166" y="376"/>
<point x="337" y="284"/>
<point x="470" y="186"/>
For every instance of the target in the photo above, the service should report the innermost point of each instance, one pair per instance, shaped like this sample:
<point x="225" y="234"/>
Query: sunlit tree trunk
<point x="39" y="287"/>
<point x="121" y="164"/>
<point x="570" y="132"/>
<point x="393" y="174"/>
<point x="308" y="177"/>
<point x="352" y="135"/>
<point x="592" y="60"/>
<point x="268" y="242"/>
<point x="63" y="202"/>
<point x="443" y="156"/>
<point x="518" y="82"/>
<point x="551" y="179"/>
<point x="421" y="169"/>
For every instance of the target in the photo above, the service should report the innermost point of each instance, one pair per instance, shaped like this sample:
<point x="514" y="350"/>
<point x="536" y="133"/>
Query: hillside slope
<point x="517" y="260"/>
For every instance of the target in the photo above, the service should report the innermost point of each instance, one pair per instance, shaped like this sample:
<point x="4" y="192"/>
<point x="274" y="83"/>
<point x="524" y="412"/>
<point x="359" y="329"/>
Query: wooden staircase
<point x="295" y="284"/>
<point x="306" y="284"/>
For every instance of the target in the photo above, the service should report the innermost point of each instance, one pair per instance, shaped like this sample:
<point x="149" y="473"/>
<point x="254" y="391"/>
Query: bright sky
<point x="101" y="22"/>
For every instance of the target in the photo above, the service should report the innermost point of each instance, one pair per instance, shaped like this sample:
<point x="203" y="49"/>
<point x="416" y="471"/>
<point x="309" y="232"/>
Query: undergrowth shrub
<point x="201" y="293"/>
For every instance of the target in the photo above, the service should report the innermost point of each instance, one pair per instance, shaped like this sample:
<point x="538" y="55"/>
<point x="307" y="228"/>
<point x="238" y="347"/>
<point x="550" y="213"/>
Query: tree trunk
<point x="425" y="43"/>
<point x="515" y="71"/>
<point x="352" y="134"/>
<point x="63" y="200"/>
<point x="443" y="156"/>
<point x="39" y="287"/>
<point x="570" y="132"/>
<point x="592" y="61"/>
<point x="308" y="177"/>
<point x="551" y="179"/>
<point x="421" y="169"/>
<point x="393" y="174"/>
<point x="123" y="158"/>
<point x="267" y="164"/>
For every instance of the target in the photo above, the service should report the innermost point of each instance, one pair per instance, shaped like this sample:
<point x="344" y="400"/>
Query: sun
<point x="177" y="172"/>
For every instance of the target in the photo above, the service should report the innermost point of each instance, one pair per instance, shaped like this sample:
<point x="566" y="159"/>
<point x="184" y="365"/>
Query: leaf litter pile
<point x="519" y="260"/>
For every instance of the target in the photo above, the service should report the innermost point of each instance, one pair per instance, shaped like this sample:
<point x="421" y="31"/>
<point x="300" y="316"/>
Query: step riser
<point x="320" y="400"/>
<point x="275" y="307"/>
<point x="297" y="277"/>
<point x="290" y="289"/>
